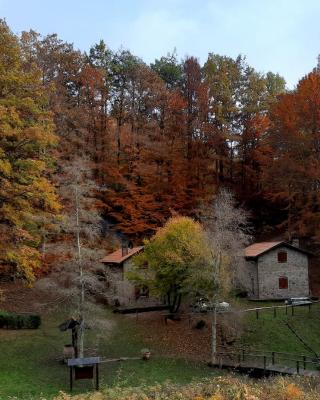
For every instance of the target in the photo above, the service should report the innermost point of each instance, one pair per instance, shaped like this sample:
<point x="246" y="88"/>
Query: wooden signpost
<point x="84" y="368"/>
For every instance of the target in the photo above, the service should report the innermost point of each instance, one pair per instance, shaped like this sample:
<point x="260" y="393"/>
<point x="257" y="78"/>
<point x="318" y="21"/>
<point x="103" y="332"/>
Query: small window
<point x="141" y="291"/>
<point x="144" y="265"/>
<point x="282" y="257"/>
<point x="283" y="282"/>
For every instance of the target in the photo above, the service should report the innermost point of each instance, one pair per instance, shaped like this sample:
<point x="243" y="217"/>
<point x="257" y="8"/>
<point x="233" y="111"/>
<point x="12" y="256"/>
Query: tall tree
<point x="170" y="255"/>
<point x="169" y="70"/>
<point x="28" y="200"/>
<point x="292" y="156"/>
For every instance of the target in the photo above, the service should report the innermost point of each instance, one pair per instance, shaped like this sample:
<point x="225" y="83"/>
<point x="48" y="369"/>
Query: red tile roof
<point x="257" y="249"/>
<point x="117" y="258"/>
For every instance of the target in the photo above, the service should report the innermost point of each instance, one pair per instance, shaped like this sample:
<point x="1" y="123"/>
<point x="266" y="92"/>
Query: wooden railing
<point x="265" y="359"/>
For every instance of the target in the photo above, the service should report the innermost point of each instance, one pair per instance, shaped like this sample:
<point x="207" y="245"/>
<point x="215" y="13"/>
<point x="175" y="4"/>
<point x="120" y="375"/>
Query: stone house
<point x="276" y="270"/>
<point x="122" y="291"/>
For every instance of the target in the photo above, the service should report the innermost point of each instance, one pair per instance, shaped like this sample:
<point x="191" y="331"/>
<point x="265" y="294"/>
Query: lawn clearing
<point x="271" y="333"/>
<point x="30" y="360"/>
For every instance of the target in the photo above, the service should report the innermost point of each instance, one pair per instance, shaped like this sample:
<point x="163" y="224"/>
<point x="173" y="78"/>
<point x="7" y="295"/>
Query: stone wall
<point x="121" y="290"/>
<point x="270" y="270"/>
<point x="248" y="279"/>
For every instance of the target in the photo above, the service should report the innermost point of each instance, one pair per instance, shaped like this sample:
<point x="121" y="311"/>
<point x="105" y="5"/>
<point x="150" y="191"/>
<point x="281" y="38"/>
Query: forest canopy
<point x="161" y="140"/>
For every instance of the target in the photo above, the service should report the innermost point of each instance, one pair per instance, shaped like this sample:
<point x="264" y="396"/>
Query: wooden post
<point x="273" y="357"/>
<point x="274" y="312"/>
<point x="97" y="376"/>
<point x="71" y="370"/>
<point x="292" y="310"/>
<point x="298" y="367"/>
<point x="304" y="362"/>
<point x="257" y="314"/>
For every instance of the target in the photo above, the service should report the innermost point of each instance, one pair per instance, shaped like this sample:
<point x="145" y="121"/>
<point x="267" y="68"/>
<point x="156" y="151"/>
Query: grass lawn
<point x="30" y="358"/>
<point x="271" y="333"/>
<point x="30" y="367"/>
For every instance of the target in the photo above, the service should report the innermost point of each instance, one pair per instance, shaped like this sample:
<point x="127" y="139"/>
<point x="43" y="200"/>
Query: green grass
<point x="29" y="363"/>
<point x="271" y="333"/>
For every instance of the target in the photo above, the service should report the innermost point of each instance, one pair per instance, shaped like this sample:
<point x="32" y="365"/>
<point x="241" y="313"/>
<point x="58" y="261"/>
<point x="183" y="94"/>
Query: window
<point x="282" y="257"/>
<point x="283" y="282"/>
<point x="141" y="291"/>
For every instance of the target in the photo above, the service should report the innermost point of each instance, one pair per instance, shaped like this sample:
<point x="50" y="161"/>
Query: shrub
<point x="16" y="321"/>
<point x="228" y="387"/>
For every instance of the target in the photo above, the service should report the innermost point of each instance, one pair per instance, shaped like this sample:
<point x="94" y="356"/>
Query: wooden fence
<point x="268" y="361"/>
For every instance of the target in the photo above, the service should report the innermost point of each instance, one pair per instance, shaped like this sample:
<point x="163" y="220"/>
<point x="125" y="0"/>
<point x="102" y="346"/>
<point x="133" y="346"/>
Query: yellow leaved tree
<point x="28" y="202"/>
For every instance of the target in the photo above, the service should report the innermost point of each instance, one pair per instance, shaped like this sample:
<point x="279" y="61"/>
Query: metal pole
<point x="213" y="335"/>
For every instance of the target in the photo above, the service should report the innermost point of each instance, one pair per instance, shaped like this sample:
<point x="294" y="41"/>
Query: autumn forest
<point x="150" y="141"/>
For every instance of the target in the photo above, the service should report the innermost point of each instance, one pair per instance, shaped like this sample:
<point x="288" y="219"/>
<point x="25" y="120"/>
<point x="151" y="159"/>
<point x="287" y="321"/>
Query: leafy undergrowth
<point x="220" y="388"/>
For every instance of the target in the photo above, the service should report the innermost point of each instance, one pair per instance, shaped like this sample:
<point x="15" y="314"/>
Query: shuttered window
<point x="283" y="282"/>
<point x="282" y="257"/>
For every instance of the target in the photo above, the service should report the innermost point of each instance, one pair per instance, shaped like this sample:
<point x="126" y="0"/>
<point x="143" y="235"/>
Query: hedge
<point x="16" y="321"/>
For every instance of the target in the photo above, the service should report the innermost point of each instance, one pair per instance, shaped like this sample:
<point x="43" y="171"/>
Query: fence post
<point x="298" y="367"/>
<point x="242" y="354"/>
<point x="273" y="358"/>
<point x="257" y="314"/>
<point x="264" y="363"/>
<point x="274" y="312"/>
<point x="304" y="362"/>
<point x="292" y="310"/>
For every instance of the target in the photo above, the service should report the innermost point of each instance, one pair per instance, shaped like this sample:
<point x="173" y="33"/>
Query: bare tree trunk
<point x="214" y="336"/>
<point x="81" y="294"/>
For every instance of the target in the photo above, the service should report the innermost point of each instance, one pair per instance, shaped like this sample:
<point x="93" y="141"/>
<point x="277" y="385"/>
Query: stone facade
<point x="269" y="278"/>
<point x="124" y="292"/>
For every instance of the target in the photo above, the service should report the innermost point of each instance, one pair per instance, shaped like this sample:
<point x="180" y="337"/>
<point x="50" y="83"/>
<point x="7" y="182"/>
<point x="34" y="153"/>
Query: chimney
<point x="295" y="242"/>
<point x="124" y="248"/>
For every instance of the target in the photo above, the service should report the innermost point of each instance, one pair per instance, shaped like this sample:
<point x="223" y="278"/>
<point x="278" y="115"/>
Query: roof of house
<point x="257" y="249"/>
<point x="117" y="258"/>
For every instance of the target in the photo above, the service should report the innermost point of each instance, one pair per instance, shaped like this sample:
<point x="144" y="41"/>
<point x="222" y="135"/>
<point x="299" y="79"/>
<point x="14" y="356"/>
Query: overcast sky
<point x="278" y="35"/>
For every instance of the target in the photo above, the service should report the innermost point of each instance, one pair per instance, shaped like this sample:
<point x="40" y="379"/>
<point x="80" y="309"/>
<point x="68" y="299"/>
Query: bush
<point x="16" y="321"/>
<point x="221" y="388"/>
